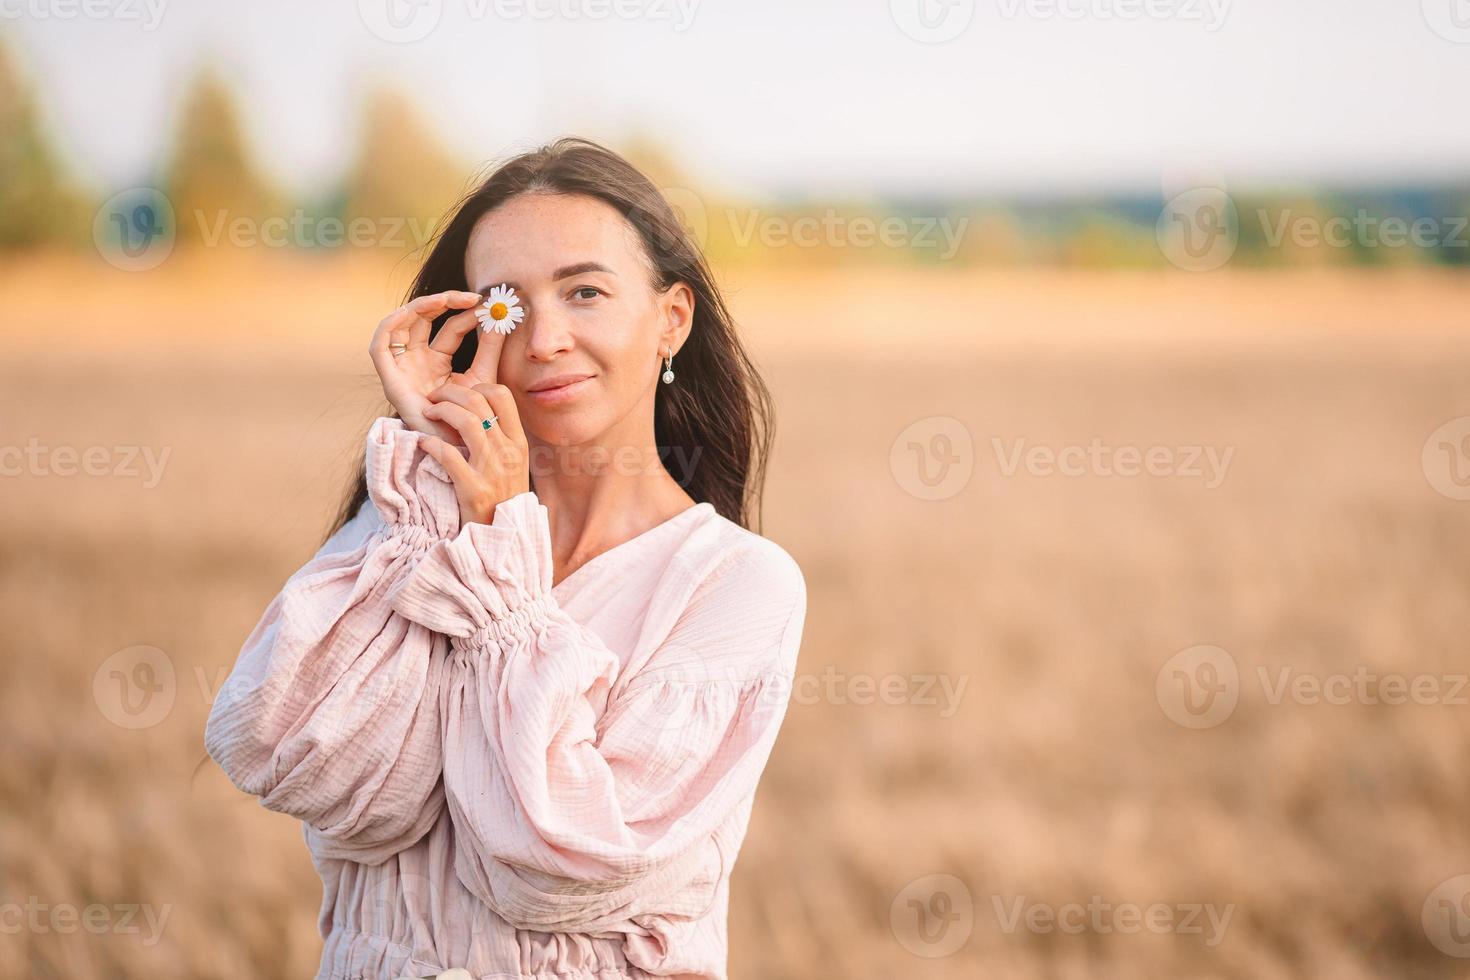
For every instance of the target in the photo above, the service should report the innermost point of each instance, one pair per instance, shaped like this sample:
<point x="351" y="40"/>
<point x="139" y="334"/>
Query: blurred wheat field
<point x="1048" y="603"/>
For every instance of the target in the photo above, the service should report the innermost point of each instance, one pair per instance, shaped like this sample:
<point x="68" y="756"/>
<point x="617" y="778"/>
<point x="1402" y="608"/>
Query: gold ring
<point x="398" y="349"/>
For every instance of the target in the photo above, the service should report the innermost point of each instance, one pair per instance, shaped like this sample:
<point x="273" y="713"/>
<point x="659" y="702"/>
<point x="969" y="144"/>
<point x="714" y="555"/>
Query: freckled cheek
<point x="613" y="337"/>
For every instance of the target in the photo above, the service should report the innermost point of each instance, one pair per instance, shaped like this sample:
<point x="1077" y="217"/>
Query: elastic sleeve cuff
<point x="489" y="580"/>
<point x="408" y="486"/>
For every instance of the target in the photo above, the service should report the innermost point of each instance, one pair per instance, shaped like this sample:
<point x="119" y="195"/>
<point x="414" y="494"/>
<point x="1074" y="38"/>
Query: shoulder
<point x="732" y="606"/>
<point x="748" y="569"/>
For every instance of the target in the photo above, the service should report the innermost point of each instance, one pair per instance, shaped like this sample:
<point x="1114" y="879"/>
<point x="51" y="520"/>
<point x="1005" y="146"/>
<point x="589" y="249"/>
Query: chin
<point x="564" y="430"/>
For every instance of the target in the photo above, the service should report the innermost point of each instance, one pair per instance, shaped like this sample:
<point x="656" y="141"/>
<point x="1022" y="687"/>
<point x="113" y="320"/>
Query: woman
<point x="521" y="698"/>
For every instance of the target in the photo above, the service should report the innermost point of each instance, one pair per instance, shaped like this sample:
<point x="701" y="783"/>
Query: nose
<point x="548" y="332"/>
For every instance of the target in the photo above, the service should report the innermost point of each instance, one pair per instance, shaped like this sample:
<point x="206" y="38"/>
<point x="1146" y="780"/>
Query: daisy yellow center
<point x="499" y="311"/>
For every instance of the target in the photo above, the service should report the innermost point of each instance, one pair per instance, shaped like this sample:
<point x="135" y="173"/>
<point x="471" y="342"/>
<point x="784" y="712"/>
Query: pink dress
<point x="500" y="775"/>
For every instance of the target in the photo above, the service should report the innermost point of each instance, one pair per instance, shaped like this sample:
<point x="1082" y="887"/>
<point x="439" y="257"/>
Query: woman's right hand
<point x="409" y="375"/>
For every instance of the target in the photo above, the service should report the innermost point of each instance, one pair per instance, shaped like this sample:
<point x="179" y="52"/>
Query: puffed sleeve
<point x="581" y="811"/>
<point x="330" y="713"/>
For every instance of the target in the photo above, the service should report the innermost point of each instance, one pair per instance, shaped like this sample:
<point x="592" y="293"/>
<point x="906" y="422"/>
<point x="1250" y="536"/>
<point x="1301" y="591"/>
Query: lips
<point x="560" y="394"/>
<point x="557" y="381"/>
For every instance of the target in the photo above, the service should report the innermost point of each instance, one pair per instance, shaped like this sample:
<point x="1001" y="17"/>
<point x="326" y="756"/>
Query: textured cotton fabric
<point x="504" y="776"/>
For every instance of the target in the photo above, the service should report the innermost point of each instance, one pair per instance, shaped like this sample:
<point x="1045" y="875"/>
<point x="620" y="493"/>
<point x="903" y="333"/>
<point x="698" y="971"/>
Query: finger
<point x="388" y="332"/>
<point x="467" y="424"/>
<point x="449" y="457"/>
<point x="391" y="329"/>
<point x="424" y="309"/>
<point x="503" y="404"/>
<point x="433" y="304"/>
<point x="452" y="334"/>
<point x="485" y="369"/>
<point x="465" y="398"/>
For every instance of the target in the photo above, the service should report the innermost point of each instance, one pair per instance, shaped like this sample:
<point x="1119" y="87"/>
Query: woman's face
<point x="585" y="281"/>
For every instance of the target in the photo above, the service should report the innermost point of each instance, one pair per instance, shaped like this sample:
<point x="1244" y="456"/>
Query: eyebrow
<point x="565" y="272"/>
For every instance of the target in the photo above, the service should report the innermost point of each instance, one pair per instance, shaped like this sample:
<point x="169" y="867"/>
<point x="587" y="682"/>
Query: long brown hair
<point x="718" y="414"/>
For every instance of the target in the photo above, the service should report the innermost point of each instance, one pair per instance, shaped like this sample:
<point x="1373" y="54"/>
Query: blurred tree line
<point x="403" y="180"/>
<point x="399" y="184"/>
<point x="38" y="205"/>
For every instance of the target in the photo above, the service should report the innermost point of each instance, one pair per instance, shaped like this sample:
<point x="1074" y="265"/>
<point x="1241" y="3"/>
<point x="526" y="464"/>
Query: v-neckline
<point x="641" y="536"/>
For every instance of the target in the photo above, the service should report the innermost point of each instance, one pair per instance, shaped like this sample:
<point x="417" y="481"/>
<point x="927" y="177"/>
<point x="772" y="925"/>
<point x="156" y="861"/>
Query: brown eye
<point x="581" y="291"/>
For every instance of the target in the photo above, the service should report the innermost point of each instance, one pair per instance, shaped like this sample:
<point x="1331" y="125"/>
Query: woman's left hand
<point x="498" y="467"/>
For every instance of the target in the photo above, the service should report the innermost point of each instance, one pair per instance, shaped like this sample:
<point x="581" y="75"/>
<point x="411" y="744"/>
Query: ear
<point x="676" y="308"/>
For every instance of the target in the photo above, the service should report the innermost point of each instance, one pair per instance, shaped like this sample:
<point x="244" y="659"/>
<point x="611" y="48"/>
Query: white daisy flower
<point x="501" y="310"/>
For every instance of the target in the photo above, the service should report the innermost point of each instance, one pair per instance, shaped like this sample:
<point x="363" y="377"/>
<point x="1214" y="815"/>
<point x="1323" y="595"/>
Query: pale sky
<point x="824" y="96"/>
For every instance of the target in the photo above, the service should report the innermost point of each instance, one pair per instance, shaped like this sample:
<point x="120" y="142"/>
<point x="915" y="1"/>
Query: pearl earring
<point x="668" y="367"/>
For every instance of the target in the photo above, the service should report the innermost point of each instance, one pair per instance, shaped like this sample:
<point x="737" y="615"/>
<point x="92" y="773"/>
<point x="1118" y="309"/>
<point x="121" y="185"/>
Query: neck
<point x="604" y="492"/>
